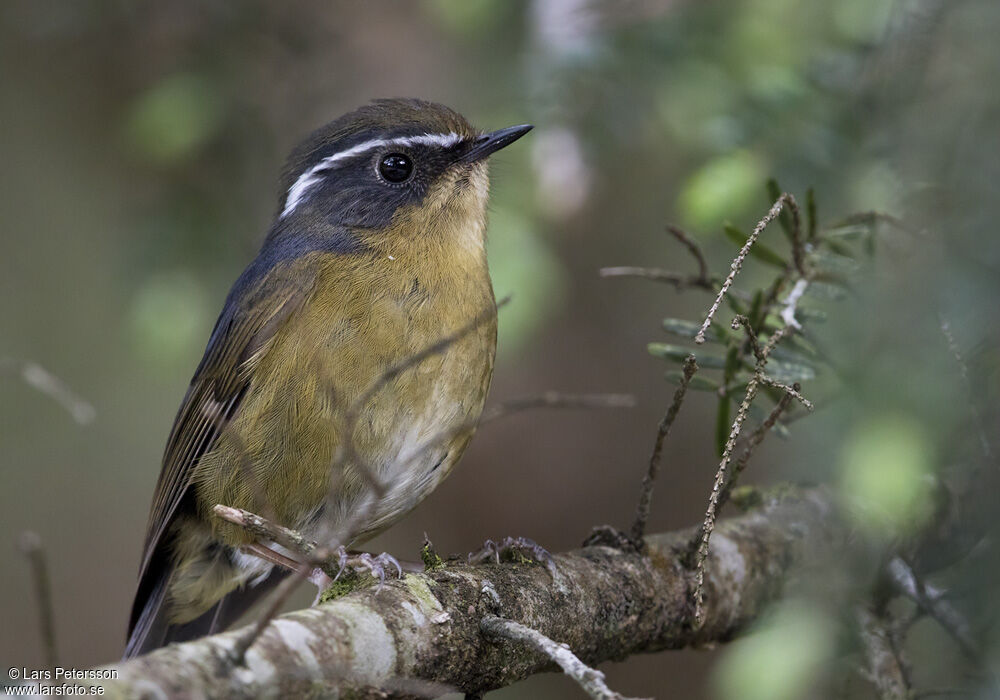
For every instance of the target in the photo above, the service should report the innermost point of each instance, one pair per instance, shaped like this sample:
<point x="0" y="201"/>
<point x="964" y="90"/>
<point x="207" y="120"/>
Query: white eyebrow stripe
<point x="298" y="191"/>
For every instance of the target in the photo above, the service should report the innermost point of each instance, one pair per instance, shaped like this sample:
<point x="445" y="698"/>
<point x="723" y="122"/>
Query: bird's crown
<point x="359" y="169"/>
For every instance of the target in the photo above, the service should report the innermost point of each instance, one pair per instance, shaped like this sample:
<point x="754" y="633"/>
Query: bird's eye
<point x="395" y="167"/>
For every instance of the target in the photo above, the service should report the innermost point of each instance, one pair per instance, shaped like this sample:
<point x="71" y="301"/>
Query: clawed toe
<point x="607" y="536"/>
<point x="513" y="549"/>
<point x="361" y="562"/>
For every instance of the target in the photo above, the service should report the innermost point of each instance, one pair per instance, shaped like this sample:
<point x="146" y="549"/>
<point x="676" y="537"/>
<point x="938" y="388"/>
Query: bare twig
<point x="798" y="251"/>
<point x="885" y="665"/>
<point x="548" y="399"/>
<point x="646" y="491"/>
<point x="734" y="268"/>
<point x="556" y="399"/>
<point x="280" y="596"/>
<point x="591" y="680"/>
<point x="347" y="454"/>
<point x="756" y="437"/>
<point x="742" y="321"/>
<point x="722" y="482"/>
<point x="37" y="377"/>
<point x="316" y="556"/>
<point x="932" y="601"/>
<point x="30" y="544"/>
<point x="869" y="217"/>
<point x="688" y="242"/>
<point x="708" y="525"/>
<point x="679" y="280"/>
<point x="264" y="530"/>
<point x="963" y="369"/>
<point x="793" y="391"/>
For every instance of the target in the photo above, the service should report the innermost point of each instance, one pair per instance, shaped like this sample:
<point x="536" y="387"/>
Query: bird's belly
<point x="284" y="453"/>
<point x="417" y="434"/>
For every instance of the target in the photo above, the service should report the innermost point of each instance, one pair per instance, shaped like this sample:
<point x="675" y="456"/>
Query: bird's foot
<point x="519" y="550"/>
<point x="607" y="536"/>
<point x="345" y="571"/>
<point x="361" y="562"/>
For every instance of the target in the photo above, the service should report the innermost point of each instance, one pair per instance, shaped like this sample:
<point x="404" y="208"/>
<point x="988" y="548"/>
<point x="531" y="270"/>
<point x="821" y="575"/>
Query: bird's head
<point x="397" y="167"/>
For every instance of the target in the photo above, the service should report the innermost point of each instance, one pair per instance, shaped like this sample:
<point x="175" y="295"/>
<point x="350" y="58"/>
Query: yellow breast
<point x="367" y="313"/>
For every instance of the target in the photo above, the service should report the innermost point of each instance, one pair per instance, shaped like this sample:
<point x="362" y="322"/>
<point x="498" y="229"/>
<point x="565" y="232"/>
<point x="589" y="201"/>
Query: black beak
<point x="494" y="141"/>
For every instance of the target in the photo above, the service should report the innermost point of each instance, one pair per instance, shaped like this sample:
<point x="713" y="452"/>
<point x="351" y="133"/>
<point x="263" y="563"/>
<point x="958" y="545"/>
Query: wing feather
<point x="249" y="321"/>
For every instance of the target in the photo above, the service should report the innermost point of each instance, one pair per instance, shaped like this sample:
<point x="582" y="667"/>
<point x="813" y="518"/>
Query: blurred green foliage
<point x="781" y="659"/>
<point x="142" y="143"/>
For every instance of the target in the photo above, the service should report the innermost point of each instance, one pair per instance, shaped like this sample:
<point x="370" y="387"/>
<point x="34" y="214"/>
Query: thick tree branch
<point x="608" y="604"/>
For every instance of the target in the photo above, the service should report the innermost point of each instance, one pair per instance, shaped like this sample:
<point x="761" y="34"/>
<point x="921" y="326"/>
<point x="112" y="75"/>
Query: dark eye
<point x="395" y="167"/>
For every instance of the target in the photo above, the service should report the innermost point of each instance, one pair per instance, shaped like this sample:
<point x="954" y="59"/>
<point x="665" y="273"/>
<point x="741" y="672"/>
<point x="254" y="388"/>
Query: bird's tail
<point x="151" y="629"/>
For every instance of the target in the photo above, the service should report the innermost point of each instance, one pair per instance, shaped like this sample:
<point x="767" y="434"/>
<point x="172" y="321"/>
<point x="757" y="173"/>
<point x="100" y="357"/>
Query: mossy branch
<point x="426" y="628"/>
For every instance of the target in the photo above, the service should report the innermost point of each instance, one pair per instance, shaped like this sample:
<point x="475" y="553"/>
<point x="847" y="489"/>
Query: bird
<point x="375" y="252"/>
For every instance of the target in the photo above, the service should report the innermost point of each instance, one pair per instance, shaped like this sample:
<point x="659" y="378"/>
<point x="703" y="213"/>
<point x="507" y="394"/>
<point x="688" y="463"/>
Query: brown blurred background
<point x="141" y="143"/>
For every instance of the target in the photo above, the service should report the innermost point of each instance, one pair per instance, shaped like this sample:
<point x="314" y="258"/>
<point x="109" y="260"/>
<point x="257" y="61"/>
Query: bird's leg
<point x="514" y="549"/>
<point x="363" y="561"/>
<point x="315" y="575"/>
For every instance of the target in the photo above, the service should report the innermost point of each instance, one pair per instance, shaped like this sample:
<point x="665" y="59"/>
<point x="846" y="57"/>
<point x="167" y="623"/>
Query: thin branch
<point x="708" y="524"/>
<point x="869" y="217"/>
<point x="798" y="251"/>
<point x="30" y="544"/>
<point x="688" y="242"/>
<point x="646" y="491"/>
<point x="794" y="391"/>
<point x="39" y="378"/>
<point x="742" y="321"/>
<point x="722" y="482"/>
<point x="316" y="556"/>
<point x="280" y="596"/>
<point x="885" y="666"/>
<point x="679" y="280"/>
<point x="265" y="530"/>
<point x="556" y="399"/>
<point x="347" y="452"/>
<point x="931" y="601"/>
<point x="734" y="268"/>
<point x="963" y="369"/>
<point x="756" y="437"/>
<point x="591" y="680"/>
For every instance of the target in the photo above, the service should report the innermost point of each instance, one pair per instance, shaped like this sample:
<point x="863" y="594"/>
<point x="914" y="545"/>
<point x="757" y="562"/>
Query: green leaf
<point x="785" y="354"/>
<point x="723" y="424"/>
<point x="697" y="383"/>
<point x="789" y="372"/>
<point x="841" y="248"/>
<point x="760" y="415"/>
<point x="737" y="306"/>
<point x="678" y="353"/>
<point x="826" y="291"/>
<point x="756" y="315"/>
<point x="732" y="363"/>
<point x="784" y="218"/>
<point x="758" y="250"/>
<point x="685" y="329"/>
<point x="811" y="218"/>
<point x="851" y="232"/>
<point x="835" y="263"/>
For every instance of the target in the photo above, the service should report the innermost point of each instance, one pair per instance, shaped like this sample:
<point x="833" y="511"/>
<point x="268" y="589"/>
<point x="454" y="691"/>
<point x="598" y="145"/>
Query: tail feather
<point x="152" y="630"/>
